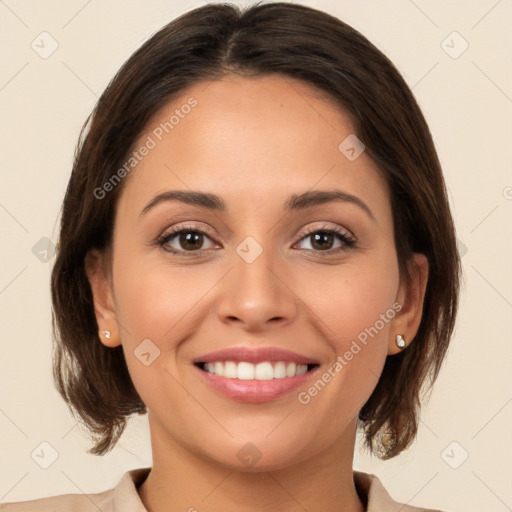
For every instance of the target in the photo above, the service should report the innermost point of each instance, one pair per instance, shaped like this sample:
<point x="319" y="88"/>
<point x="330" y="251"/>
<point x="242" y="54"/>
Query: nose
<point x="258" y="296"/>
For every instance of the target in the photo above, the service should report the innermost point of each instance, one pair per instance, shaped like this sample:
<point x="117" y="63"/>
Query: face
<point x="263" y="312"/>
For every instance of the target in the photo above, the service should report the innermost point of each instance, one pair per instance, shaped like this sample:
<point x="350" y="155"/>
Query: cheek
<point x="155" y="301"/>
<point x="161" y="303"/>
<point x="351" y="299"/>
<point x="354" y="310"/>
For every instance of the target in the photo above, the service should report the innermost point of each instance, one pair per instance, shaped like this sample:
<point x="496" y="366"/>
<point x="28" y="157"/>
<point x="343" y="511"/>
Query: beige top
<point x="124" y="498"/>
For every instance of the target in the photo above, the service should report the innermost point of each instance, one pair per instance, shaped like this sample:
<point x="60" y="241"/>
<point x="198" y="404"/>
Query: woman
<point x="256" y="248"/>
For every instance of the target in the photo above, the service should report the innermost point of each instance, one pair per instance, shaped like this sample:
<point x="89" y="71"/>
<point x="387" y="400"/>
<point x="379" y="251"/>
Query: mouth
<point x="255" y="375"/>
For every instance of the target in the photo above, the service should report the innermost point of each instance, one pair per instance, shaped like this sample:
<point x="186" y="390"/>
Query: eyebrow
<point x="294" y="203"/>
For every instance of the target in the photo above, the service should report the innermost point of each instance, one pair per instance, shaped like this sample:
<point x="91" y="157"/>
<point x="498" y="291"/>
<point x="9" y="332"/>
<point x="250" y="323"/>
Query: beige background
<point x="467" y="102"/>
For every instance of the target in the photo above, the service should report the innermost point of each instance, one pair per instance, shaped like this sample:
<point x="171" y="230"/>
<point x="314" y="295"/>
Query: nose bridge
<point x="255" y="292"/>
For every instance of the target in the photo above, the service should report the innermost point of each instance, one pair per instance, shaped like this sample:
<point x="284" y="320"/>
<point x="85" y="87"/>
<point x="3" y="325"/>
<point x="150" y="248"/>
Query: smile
<point x="265" y="370"/>
<point x="255" y="375"/>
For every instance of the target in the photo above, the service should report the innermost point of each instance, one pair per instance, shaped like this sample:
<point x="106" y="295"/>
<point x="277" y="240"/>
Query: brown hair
<point x="297" y="42"/>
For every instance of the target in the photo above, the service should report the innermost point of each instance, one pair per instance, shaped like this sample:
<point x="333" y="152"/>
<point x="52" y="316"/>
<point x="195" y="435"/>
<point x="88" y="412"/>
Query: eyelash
<point x="348" y="241"/>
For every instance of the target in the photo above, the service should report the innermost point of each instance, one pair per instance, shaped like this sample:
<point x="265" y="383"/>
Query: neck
<point x="181" y="480"/>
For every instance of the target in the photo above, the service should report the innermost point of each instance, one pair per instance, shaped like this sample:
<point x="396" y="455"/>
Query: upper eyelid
<point x="314" y="229"/>
<point x="207" y="230"/>
<point x="177" y="230"/>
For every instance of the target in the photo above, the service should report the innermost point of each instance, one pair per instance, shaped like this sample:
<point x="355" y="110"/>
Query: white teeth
<point x="280" y="370"/>
<point x="245" y="371"/>
<point x="291" y="369"/>
<point x="261" y="371"/>
<point x="218" y="367"/>
<point x="230" y="370"/>
<point x="264" y="371"/>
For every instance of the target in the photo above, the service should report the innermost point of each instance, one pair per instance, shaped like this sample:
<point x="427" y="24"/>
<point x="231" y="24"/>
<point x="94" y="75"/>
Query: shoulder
<point x="122" y="498"/>
<point x="64" y="503"/>
<point x="377" y="497"/>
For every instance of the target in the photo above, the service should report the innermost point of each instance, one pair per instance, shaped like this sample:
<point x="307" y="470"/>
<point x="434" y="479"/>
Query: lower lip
<point x="255" y="391"/>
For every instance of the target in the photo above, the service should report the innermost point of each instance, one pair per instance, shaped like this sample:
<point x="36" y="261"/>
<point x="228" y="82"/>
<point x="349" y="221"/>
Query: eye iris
<point x="189" y="240"/>
<point x="320" y="238"/>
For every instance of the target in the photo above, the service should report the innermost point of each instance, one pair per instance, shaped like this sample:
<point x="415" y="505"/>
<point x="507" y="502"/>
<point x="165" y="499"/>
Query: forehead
<point x="251" y="140"/>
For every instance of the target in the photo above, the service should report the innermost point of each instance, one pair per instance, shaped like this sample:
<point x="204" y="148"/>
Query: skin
<point x="254" y="142"/>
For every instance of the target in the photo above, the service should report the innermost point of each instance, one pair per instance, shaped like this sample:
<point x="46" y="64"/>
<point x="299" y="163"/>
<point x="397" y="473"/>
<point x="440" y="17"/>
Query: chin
<point x="261" y="454"/>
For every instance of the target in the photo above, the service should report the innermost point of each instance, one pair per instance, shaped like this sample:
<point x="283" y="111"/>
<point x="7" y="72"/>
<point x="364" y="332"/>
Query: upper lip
<point x="255" y="355"/>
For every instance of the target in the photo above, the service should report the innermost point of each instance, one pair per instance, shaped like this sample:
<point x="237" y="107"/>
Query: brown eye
<point x="322" y="240"/>
<point x="185" y="240"/>
<point x="328" y="240"/>
<point x="190" y="241"/>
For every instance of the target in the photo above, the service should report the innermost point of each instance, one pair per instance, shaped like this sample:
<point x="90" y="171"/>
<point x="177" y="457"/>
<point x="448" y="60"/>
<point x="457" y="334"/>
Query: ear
<point x="410" y="297"/>
<point x="99" y="278"/>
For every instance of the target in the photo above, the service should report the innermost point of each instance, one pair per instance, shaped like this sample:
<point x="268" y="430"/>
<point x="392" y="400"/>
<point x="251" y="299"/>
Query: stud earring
<point x="107" y="334"/>
<point x="400" y="341"/>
